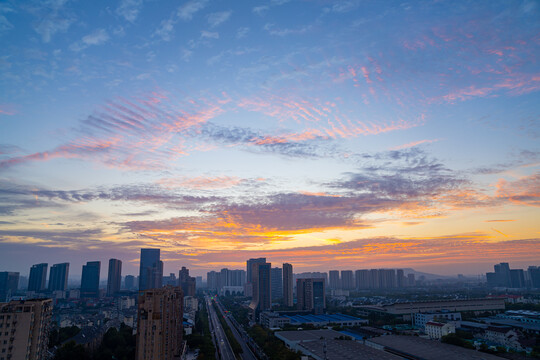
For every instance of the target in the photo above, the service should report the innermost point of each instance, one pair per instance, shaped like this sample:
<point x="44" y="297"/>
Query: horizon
<point x="350" y="133"/>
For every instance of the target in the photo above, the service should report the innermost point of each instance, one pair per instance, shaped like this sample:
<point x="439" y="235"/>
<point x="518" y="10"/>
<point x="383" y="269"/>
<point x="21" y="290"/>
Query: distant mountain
<point x="427" y="276"/>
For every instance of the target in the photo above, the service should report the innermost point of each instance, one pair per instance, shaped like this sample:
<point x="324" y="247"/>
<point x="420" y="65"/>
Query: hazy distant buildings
<point x="129" y="282"/>
<point x="310" y="295"/>
<point x="506" y="277"/>
<point x="347" y="282"/>
<point x="186" y="282"/>
<point x="150" y="270"/>
<point x="276" y="276"/>
<point x="287" y="285"/>
<point x="159" y="325"/>
<point x="9" y="283"/>
<point x="90" y="279"/>
<point x="334" y="279"/>
<point x="25" y="329"/>
<point x="114" y="278"/>
<point x="58" y="277"/>
<point x="362" y="279"/>
<point x="38" y="278"/>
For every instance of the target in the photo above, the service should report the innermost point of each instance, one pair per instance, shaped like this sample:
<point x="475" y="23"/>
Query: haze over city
<point x="329" y="135"/>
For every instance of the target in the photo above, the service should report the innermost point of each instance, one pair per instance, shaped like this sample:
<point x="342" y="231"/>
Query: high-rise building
<point x="373" y="279"/>
<point x="262" y="288"/>
<point x="159" y="324"/>
<point x="517" y="278"/>
<point x="25" y="329"/>
<point x="9" y="283"/>
<point x="237" y="277"/>
<point x="276" y="278"/>
<point x="186" y="282"/>
<point x="411" y="279"/>
<point x="334" y="279"/>
<point x="249" y="265"/>
<point x="387" y="278"/>
<point x="183" y="275"/>
<point x="58" y="277"/>
<point x="150" y="270"/>
<point x="90" y="279"/>
<point x="362" y="279"/>
<point x="310" y="295"/>
<point x="129" y="282"/>
<point x="347" y="282"/>
<point x="534" y="276"/>
<point x="288" y="285"/>
<point x="114" y="279"/>
<point x="38" y="277"/>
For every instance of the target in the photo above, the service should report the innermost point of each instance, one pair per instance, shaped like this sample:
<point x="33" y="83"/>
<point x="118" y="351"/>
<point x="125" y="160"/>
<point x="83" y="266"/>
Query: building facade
<point x="90" y="279"/>
<point x="310" y="295"/>
<point x="38" y="277"/>
<point x="25" y="329"/>
<point x="9" y="283"/>
<point x="288" y="285"/>
<point x="150" y="270"/>
<point x="58" y="277"/>
<point x="114" y="278"/>
<point x="159" y="325"/>
<point x="277" y="283"/>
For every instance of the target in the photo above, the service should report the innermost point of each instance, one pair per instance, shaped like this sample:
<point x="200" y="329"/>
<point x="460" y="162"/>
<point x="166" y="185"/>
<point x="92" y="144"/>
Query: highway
<point x="218" y="333"/>
<point x="247" y="354"/>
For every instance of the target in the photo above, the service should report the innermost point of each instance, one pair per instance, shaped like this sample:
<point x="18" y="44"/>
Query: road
<point x="218" y="333"/>
<point x="247" y="354"/>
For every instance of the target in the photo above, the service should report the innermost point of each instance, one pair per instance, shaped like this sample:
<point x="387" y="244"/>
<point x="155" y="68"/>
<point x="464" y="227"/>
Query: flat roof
<point x="301" y="319"/>
<point x="346" y="350"/>
<point x="308" y="335"/>
<point x="428" y="349"/>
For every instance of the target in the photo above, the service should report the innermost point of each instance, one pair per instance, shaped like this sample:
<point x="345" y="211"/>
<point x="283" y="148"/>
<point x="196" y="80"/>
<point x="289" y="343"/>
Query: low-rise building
<point x="420" y="319"/>
<point x="273" y="320"/>
<point x="503" y="336"/>
<point x="436" y="330"/>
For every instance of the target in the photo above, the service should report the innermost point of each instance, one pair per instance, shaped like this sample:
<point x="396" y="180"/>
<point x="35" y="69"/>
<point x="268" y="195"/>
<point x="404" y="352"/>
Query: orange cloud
<point x="412" y="144"/>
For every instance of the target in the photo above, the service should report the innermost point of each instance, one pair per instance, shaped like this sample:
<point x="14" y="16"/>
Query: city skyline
<point x="365" y="135"/>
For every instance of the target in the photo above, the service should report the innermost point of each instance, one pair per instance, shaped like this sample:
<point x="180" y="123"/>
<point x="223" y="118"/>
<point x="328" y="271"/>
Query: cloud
<point x="260" y="10"/>
<point x="242" y="32"/>
<point x="98" y="37"/>
<point x="130" y="9"/>
<point x="53" y="17"/>
<point x="186" y="11"/>
<point x="525" y="191"/>
<point x="209" y="35"/>
<point x="5" y="25"/>
<point x="413" y="144"/>
<point x="272" y="30"/>
<point x="165" y="29"/>
<point x="218" y="18"/>
<point x="201" y="182"/>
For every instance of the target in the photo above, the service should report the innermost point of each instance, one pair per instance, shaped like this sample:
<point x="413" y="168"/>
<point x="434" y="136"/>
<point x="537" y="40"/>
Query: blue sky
<point x="374" y="134"/>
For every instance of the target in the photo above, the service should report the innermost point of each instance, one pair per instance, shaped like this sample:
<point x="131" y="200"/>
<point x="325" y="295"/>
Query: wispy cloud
<point x="218" y="18"/>
<point x="273" y="30"/>
<point x="130" y="9"/>
<point x="97" y="37"/>
<point x="189" y="9"/>
<point x="53" y="17"/>
<point x="413" y="143"/>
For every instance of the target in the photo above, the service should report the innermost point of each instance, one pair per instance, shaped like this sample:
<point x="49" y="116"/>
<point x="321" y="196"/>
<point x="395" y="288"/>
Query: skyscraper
<point x="262" y="289"/>
<point x="249" y="283"/>
<point x="310" y="295"/>
<point x="58" y="277"/>
<point x="186" y="282"/>
<point x="9" y="283"/>
<point x="159" y="325"/>
<point x="38" y="277"/>
<point x="276" y="277"/>
<point x="362" y="279"/>
<point x="129" y="282"/>
<point x="90" y="279"/>
<point x="151" y="269"/>
<point x="400" y="278"/>
<point x="114" y="279"/>
<point x="334" y="279"/>
<point x="287" y="284"/>
<point x="28" y="324"/>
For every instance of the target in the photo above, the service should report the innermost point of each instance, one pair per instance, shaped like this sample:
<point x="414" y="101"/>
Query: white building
<point x="436" y="330"/>
<point x="420" y="319"/>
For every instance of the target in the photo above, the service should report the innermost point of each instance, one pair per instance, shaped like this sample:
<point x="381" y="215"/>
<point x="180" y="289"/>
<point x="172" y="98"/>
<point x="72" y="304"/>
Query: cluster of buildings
<point x="505" y="277"/>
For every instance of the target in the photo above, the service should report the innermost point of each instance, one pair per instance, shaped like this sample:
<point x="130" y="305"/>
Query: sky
<point x="326" y="134"/>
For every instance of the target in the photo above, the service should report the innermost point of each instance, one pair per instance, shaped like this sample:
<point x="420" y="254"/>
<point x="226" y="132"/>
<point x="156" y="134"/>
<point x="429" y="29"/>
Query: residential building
<point x="150" y="270"/>
<point x="310" y="295"/>
<point x="288" y="285"/>
<point x="362" y="279"/>
<point x="212" y="280"/>
<point x="347" y="280"/>
<point x="249" y="266"/>
<point x="58" y="277"/>
<point x="38" y="277"/>
<point x="421" y="319"/>
<point x="90" y="279"/>
<point x="114" y="278"/>
<point x="401" y="280"/>
<point x="129" y="282"/>
<point x="25" y="329"/>
<point x="159" y="324"/>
